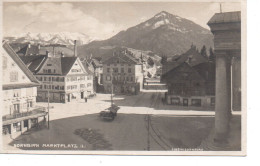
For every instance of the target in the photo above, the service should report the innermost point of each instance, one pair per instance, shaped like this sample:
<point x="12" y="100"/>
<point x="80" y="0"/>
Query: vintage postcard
<point x="123" y="78"/>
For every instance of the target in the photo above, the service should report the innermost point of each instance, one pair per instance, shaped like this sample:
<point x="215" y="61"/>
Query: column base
<point x="221" y="138"/>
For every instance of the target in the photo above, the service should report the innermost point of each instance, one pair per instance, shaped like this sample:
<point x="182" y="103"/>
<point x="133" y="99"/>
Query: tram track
<point x="152" y="132"/>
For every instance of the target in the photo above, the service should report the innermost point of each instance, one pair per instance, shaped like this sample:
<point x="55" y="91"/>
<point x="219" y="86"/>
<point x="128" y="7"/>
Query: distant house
<point x="96" y="67"/>
<point x="19" y="87"/>
<point x="190" y="80"/>
<point x="29" y="50"/>
<point x="124" y="72"/>
<point x="64" y="78"/>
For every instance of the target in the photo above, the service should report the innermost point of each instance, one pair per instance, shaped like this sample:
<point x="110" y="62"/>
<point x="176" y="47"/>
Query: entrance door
<point x="185" y="102"/>
<point x="68" y="97"/>
<point x="82" y="95"/>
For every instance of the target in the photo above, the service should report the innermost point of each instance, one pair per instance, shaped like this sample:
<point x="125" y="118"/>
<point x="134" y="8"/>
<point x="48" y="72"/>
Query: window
<point x="45" y="86"/>
<point x="61" y="87"/>
<point x="49" y="87"/>
<point x="49" y="70"/>
<point x="76" y="70"/>
<point x="196" y="102"/>
<point x="53" y="87"/>
<point x="61" y="79"/>
<point x="82" y="85"/>
<point x="4" y="62"/>
<point x="82" y="77"/>
<point x="122" y="70"/>
<point x="45" y="71"/>
<point x="127" y="79"/>
<point x="108" y="78"/>
<point x="89" y="85"/>
<point x="89" y="77"/>
<point x="74" y="78"/>
<point x="40" y="87"/>
<point x="39" y="78"/>
<point x="54" y="71"/>
<point x="68" y="87"/>
<point x="53" y="79"/>
<point x="45" y="78"/>
<point x="115" y="70"/>
<point x="129" y="70"/>
<point x="131" y="78"/>
<point x="212" y="101"/>
<point x="108" y="70"/>
<point x="14" y="76"/>
<point x="57" y="87"/>
<point x="49" y="78"/>
<point x="49" y="64"/>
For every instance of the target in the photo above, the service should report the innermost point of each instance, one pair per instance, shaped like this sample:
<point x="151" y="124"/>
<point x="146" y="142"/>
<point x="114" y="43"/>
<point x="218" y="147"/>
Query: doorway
<point x="82" y="95"/>
<point x="185" y="102"/>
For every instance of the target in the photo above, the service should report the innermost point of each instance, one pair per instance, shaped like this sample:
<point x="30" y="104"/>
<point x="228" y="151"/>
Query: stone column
<point x="236" y="83"/>
<point x="222" y="98"/>
<point x="22" y="127"/>
<point x="29" y="124"/>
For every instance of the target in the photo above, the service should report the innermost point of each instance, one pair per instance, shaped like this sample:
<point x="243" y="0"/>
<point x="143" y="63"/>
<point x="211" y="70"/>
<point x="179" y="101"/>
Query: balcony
<point x="34" y="113"/>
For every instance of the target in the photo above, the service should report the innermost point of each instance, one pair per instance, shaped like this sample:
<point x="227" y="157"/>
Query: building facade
<point x="20" y="112"/>
<point x="64" y="78"/>
<point x="123" y="72"/>
<point x="190" y="81"/>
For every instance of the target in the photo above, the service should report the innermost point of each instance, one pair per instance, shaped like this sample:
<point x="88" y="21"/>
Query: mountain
<point x="163" y="34"/>
<point x="63" y="38"/>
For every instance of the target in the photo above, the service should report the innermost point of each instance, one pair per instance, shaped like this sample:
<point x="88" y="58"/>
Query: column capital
<point x="228" y="53"/>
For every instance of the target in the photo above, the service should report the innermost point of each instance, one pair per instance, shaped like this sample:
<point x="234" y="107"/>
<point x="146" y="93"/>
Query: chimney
<point x="48" y="54"/>
<point x="29" y="45"/>
<point x="75" y="48"/>
<point x="62" y="54"/>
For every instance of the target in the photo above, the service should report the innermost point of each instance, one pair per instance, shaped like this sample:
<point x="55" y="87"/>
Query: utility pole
<point x="148" y="134"/>
<point x="48" y="109"/>
<point x="112" y="90"/>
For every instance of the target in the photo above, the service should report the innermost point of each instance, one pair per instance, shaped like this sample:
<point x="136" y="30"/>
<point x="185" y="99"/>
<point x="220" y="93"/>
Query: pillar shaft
<point x="222" y="108"/>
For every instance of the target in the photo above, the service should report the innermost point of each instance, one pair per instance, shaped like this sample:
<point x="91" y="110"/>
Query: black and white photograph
<point x="123" y="77"/>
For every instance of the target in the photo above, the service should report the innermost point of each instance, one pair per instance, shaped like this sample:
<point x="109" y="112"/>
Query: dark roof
<point x="28" y="50"/>
<point x="18" y="86"/>
<point x="192" y="57"/>
<point x="19" y="62"/>
<point x="226" y="17"/>
<point x="34" y="62"/>
<point x="66" y="64"/>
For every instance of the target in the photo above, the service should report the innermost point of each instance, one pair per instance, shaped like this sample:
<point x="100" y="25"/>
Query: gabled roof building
<point x="190" y="80"/>
<point x="124" y="72"/>
<point x="64" y="78"/>
<point x="19" y="87"/>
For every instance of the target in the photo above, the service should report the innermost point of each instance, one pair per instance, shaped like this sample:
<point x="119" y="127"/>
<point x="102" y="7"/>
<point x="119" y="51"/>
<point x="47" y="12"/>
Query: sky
<point x="99" y="20"/>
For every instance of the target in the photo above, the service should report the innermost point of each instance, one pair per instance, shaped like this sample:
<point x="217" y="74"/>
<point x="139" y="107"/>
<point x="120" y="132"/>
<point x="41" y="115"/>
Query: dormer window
<point x="49" y="64"/>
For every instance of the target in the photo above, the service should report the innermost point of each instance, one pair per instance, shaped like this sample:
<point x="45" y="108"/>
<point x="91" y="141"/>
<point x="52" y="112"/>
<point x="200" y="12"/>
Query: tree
<point x="164" y="59"/>
<point x="150" y="61"/>
<point x="203" y="51"/>
<point x="212" y="57"/>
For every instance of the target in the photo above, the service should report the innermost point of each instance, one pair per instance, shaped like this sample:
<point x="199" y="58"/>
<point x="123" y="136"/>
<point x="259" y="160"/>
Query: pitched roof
<point x="34" y="62"/>
<point x="28" y="50"/>
<point x="19" y="62"/>
<point x="192" y="57"/>
<point x="66" y="64"/>
<point x="124" y="57"/>
<point x="226" y="17"/>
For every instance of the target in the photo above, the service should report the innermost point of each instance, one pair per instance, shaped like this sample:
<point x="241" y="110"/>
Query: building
<point x="20" y="112"/>
<point x="226" y="28"/>
<point x="124" y="72"/>
<point x="96" y="67"/>
<point x="29" y="50"/>
<point x="64" y="78"/>
<point x="190" y="80"/>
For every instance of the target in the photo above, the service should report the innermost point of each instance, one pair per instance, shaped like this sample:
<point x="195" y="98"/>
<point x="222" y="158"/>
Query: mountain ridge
<point x="164" y="34"/>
